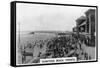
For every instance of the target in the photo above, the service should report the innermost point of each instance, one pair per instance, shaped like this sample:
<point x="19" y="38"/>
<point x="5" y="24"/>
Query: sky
<point x="38" y="17"/>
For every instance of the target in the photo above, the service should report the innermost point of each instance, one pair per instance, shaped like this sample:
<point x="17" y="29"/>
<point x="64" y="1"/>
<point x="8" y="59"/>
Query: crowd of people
<point x="69" y="46"/>
<point x="62" y="46"/>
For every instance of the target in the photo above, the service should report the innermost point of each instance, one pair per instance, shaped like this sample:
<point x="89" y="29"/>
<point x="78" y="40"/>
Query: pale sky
<point x="37" y="17"/>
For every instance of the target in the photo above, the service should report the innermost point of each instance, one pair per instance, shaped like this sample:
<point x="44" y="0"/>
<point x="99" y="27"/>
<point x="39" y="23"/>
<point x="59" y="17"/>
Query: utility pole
<point x="20" y="46"/>
<point x="19" y="33"/>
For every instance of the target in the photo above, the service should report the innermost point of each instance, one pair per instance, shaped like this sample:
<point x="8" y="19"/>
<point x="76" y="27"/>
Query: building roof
<point x="90" y="11"/>
<point x="81" y="19"/>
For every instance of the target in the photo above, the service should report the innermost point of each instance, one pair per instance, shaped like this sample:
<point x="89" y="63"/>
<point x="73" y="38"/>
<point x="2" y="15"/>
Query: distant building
<point x="86" y="24"/>
<point x="90" y="15"/>
<point x="81" y="24"/>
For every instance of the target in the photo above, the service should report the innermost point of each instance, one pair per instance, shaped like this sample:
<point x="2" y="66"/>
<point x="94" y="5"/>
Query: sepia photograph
<point x="48" y="33"/>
